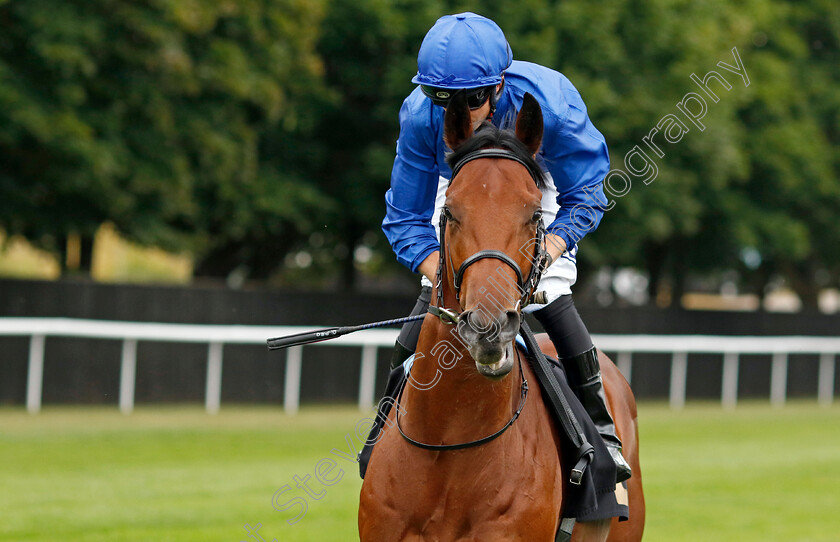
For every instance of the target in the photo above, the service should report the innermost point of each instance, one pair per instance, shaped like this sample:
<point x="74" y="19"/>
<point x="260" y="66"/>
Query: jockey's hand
<point x="555" y="245"/>
<point x="430" y="265"/>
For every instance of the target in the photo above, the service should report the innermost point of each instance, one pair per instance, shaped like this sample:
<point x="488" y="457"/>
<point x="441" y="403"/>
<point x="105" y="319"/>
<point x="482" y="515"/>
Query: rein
<point x="523" y="396"/>
<point x="526" y="285"/>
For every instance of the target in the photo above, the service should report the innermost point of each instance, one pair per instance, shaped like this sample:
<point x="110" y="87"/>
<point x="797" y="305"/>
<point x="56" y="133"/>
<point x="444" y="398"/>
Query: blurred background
<point x="225" y="162"/>
<point x="249" y="144"/>
<point x="234" y="156"/>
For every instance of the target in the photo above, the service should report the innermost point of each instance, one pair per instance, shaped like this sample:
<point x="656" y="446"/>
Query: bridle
<point x="527" y="285"/>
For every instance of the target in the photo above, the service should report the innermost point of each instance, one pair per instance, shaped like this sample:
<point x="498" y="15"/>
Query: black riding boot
<point x="566" y="330"/>
<point x="584" y="375"/>
<point x="401" y="353"/>
<point x="407" y="341"/>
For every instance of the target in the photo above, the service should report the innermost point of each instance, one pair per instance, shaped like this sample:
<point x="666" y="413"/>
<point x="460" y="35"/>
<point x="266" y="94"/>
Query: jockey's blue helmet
<point x="463" y="51"/>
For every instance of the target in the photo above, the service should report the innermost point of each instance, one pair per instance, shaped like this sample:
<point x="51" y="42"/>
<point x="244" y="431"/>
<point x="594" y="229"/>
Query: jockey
<point x="469" y="52"/>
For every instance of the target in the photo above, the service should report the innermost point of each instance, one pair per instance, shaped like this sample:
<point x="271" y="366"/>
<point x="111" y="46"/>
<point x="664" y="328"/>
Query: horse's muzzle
<point x="490" y="340"/>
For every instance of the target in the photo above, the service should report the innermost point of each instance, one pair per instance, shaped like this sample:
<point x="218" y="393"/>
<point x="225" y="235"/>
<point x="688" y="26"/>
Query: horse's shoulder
<point x="545" y="344"/>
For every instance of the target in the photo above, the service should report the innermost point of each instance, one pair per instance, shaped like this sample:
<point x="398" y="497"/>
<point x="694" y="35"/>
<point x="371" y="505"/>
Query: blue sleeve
<point x="410" y="202"/>
<point x="576" y="155"/>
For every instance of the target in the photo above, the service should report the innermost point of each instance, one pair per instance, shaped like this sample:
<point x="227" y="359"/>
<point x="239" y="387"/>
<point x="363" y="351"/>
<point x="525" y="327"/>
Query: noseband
<point x="526" y="285"/>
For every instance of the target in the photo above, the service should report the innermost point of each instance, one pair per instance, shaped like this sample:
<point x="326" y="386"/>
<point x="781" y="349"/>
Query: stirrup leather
<point x="585" y="379"/>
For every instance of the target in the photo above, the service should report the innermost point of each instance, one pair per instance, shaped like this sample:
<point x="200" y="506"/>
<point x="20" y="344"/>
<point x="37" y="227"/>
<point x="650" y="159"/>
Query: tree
<point x="369" y="49"/>
<point x="157" y="115"/>
<point x="250" y="131"/>
<point x="756" y="189"/>
<point x="789" y="203"/>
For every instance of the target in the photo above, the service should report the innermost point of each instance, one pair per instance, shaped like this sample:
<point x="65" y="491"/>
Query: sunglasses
<point x="476" y="97"/>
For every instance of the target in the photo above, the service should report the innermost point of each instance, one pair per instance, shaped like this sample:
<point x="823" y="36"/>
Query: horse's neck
<point x="446" y="399"/>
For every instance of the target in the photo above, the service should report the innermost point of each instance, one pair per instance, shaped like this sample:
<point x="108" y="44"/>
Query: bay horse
<point x="463" y="386"/>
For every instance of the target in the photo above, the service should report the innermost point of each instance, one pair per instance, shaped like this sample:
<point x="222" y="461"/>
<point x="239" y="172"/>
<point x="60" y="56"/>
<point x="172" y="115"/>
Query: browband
<point x="496" y="153"/>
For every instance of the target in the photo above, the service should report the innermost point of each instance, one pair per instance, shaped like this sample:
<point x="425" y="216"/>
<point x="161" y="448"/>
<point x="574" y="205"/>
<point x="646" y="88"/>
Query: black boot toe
<point x="622" y="468"/>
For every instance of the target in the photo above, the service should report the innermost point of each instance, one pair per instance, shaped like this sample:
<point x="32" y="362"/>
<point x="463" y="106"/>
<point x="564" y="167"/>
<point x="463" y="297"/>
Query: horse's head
<point x="491" y="230"/>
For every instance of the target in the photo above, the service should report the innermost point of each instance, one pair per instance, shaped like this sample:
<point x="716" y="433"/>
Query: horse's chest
<point x="484" y="512"/>
<point x="507" y="490"/>
<point x="475" y="500"/>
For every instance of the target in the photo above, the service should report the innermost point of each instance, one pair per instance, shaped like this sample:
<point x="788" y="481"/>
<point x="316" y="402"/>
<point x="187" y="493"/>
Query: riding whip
<point x="318" y="335"/>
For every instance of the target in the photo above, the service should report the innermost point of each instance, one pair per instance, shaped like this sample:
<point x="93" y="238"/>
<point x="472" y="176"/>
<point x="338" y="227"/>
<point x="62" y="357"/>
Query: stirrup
<point x="622" y="468"/>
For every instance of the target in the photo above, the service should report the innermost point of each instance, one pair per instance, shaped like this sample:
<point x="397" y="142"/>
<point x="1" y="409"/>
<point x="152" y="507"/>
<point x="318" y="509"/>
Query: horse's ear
<point x="457" y="125"/>
<point x="529" y="124"/>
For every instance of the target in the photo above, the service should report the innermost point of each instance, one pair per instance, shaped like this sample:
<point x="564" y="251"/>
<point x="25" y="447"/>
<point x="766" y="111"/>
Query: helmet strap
<point x="494" y="96"/>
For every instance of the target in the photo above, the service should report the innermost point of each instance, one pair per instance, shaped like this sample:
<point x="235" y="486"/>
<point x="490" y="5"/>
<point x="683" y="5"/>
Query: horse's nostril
<point x="478" y="320"/>
<point x="511" y="326"/>
<point x="478" y="324"/>
<point x="465" y="327"/>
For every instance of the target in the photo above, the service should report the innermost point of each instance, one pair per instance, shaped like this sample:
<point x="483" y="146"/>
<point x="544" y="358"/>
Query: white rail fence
<point x="216" y="336"/>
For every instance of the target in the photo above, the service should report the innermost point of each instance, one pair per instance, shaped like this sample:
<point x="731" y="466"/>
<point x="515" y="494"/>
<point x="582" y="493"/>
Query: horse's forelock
<point x="488" y="136"/>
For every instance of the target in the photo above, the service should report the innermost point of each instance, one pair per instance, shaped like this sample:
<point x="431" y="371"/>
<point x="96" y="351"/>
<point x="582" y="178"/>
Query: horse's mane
<point x="488" y="135"/>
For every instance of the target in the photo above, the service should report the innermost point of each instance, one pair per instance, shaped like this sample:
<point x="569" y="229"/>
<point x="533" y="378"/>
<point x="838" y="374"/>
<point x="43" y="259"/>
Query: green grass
<point x="176" y="474"/>
<point x="755" y="473"/>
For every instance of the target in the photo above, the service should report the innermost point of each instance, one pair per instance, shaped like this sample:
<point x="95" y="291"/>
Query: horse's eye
<point x="447" y="213"/>
<point x="537" y="216"/>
